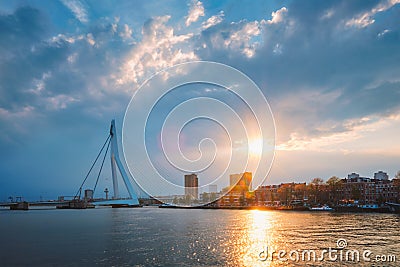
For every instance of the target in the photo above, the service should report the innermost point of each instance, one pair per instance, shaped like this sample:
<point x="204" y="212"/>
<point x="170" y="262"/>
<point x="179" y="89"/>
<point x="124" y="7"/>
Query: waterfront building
<point x="233" y="199"/>
<point x="192" y="186"/>
<point x="286" y="194"/>
<point x="206" y="197"/>
<point x="354" y="190"/>
<point x="367" y="191"/>
<point x="241" y="181"/>
<point x="353" y="175"/>
<point x="89" y="194"/>
<point x="267" y="195"/>
<point x="380" y="175"/>
<point x="356" y="178"/>
<point x="239" y="191"/>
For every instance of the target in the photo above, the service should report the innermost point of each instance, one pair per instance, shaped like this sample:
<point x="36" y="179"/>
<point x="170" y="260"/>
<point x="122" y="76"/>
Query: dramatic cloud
<point x="126" y="34"/>
<point x="330" y="70"/>
<point x="214" y="20"/>
<point x="159" y="48"/>
<point x="240" y="37"/>
<point x="195" y="12"/>
<point x="278" y="16"/>
<point x="78" y="9"/>
<point x="366" y="18"/>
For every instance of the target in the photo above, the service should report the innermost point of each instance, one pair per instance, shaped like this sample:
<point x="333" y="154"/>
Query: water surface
<point x="182" y="237"/>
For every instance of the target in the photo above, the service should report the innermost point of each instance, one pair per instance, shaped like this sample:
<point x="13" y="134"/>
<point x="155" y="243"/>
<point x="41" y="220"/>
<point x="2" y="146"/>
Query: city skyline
<point x="379" y="175"/>
<point x="328" y="69"/>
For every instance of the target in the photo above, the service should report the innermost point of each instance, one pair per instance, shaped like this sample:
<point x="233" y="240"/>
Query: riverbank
<point x="354" y="209"/>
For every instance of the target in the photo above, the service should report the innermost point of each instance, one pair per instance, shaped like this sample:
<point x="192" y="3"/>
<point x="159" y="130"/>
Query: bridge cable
<point x="87" y="175"/>
<point x="101" y="167"/>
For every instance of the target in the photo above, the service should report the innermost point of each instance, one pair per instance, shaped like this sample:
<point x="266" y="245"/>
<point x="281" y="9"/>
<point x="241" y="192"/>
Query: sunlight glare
<point x="255" y="146"/>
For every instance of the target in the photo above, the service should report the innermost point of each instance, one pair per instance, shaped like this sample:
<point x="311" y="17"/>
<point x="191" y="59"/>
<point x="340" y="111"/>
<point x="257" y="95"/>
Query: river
<point x="183" y="237"/>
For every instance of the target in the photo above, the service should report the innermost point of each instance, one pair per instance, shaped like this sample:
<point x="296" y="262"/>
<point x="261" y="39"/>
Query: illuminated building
<point x="241" y="182"/>
<point x="239" y="190"/>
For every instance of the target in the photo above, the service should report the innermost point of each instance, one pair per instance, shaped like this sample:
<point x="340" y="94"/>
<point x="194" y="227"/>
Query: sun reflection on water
<point x="256" y="234"/>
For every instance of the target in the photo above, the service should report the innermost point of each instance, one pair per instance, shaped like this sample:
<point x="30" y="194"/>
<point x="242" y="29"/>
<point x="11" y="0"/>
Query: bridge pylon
<point x="118" y="167"/>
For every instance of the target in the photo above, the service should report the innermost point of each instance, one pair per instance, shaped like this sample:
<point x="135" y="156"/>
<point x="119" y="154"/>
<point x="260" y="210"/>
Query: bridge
<point x="117" y="168"/>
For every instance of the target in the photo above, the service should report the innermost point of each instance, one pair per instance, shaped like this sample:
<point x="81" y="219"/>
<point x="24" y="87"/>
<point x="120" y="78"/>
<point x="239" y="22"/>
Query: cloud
<point x="60" y="38"/>
<point x="241" y="39"/>
<point x="332" y="68"/>
<point x="78" y="9"/>
<point x="94" y="63"/>
<point x="367" y="18"/>
<point x="312" y="118"/>
<point x="278" y="16"/>
<point x="126" y="33"/>
<point x="30" y="58"/>
<point x="57" y="76"/>
<point x="90" y="39"/>
<point x="25" y="26"/>
<point x="22" y="112"/>
<point x="59" y="102"/>
<point x="213" y="20"/>
<point x="362" y="135"/>
<point x="333" y="89"/>
<point x="159" y="48"/>
<point x="381" y="34"/>
<point x="13" y="130"/>
<point x="196" y="11"/>
<point x="328" y="14"/>
<point x="237" y="37"/>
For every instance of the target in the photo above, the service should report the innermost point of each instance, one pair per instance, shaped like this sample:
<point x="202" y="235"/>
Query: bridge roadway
<point x="35" y="203"/>
<point x="96" y="202"/>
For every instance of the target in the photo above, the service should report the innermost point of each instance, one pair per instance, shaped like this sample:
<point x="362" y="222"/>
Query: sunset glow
<point x="255" y="147"/>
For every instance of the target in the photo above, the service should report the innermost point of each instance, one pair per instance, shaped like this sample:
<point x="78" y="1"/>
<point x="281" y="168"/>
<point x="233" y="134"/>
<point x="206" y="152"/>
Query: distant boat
<point x="323" y="208"/>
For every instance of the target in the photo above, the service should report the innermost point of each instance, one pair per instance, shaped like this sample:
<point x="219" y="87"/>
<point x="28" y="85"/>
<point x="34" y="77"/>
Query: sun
<point x="255" y="146"/>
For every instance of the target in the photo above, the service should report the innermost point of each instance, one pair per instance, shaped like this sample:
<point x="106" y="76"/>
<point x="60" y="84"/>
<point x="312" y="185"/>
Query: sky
<point x="329" y="70"/>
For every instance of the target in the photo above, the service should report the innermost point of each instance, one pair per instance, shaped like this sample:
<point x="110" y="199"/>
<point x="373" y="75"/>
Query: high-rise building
<point x="241" y="181"/>
<point x="192" y="186"/>
<point x="234" y="179"/>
